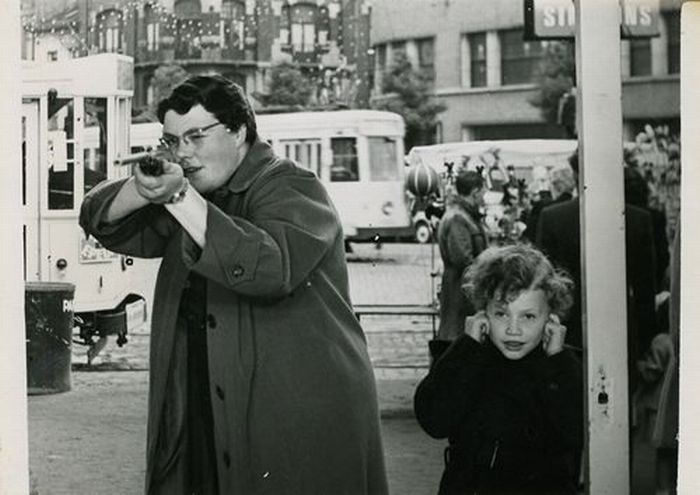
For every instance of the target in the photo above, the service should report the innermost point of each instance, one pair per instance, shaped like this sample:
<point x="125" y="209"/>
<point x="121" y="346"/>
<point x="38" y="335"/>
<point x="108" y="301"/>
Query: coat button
<point x="211" y="321"/>
<point x="227" y="459"/>
<point x="220" y="392"/>
<point x="237" y="271"/>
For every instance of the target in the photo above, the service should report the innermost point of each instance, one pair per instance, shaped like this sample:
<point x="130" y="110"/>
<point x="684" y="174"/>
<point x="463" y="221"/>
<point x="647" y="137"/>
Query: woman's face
<point x="210" y="157"/>
<point x="516" y="327"/>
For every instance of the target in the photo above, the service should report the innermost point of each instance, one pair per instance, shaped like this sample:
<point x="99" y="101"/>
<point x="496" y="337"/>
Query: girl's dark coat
<point x="292" y="389"/>
<point x="513" y="426"/>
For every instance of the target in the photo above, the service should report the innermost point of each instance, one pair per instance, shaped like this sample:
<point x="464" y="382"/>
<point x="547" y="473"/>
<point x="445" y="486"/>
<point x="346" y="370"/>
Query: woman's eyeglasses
<point x="189" y="137"/>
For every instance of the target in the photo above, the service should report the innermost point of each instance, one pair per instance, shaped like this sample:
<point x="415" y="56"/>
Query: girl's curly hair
<point x="502" y="273"/>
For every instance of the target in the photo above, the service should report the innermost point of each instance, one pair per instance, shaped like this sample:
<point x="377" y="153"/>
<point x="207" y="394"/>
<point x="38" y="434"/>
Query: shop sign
<point x="555" y="19"/>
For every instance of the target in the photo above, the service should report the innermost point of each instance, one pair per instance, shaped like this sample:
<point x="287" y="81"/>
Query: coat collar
<point x="459" y="202"/>
<point x="251" y="167"/>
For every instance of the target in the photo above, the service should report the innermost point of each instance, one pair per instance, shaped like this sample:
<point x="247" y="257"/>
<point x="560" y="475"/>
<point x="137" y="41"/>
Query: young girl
<point x="507" y="394"/>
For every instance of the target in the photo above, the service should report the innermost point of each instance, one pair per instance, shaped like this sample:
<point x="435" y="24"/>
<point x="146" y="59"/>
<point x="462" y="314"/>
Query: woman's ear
<point x="240" y="135"/>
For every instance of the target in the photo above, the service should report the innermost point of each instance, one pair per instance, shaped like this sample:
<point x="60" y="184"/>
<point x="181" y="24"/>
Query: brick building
<point x="242" y="39"/>
<point x="484" y="71"/>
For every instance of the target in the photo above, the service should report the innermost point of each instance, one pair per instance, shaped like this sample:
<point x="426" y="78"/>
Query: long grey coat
<point x="292" y="389"/>
<point x="461" y="239"/>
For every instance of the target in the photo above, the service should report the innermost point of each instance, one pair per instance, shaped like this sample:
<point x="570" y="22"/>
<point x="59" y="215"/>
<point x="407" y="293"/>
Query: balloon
<point x="422" y="180"/>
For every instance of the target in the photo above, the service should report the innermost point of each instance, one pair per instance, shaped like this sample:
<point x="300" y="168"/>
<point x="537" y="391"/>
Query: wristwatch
<point x="180" y="195"/>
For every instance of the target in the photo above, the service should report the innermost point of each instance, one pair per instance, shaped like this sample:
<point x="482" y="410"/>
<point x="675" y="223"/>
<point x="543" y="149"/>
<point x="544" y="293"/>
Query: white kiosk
<point x="66" y="105"/>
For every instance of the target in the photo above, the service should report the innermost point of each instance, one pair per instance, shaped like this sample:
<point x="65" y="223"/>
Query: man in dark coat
<point x="558" y="235"/>
<point x="461" y="239"/>
<point x="260" y="380"/>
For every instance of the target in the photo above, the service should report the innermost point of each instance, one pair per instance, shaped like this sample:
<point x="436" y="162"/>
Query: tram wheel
<point x="423" y="234"/>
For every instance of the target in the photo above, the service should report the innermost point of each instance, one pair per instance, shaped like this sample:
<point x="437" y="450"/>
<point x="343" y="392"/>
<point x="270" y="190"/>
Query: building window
<point x="52" y="55"/>
<point x="109" y="29"/>
<point x="673" y="30"/>
<point x="187" y="8"/>
<point x="426" y="56"/>
<point x="233" y="24"/>
<point x="302" y="23"/>
<point x="640" y="57"/>
<point x="152" y="28"/>
<point x="324" y="26"/>
<point x="477" y="59"/>
<point x="519" y="58"/>
<point x="380" y="51"/>
<point x="397" y="48"/>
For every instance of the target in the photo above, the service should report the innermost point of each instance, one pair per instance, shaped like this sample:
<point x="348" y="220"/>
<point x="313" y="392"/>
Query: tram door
<point x="30" y="190"/>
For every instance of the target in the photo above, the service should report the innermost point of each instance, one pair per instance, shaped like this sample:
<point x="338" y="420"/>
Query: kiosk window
<point x="344" y="167"/>
<point x="95" y="148"/>
<point x="60" y="154"/>
<point x="382" y="159"/>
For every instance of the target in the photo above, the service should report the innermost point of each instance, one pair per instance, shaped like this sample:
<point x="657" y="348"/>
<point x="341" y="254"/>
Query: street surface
<point x="91" y="440"/>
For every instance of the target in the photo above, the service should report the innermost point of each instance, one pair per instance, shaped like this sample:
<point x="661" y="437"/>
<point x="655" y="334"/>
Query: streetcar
<point x="65" y="104"/>
<point x="357" y="154"/>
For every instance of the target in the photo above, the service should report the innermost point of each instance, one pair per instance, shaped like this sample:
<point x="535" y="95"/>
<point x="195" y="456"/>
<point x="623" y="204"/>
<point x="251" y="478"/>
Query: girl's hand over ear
<point x="477" y="326"/>
<point x="554" y="335"/>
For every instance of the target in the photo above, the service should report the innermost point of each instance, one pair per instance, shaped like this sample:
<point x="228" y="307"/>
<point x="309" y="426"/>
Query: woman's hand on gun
<point x="159" y="189"/>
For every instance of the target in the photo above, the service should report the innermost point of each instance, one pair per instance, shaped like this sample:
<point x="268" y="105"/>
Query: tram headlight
<point x="388" y="208"/>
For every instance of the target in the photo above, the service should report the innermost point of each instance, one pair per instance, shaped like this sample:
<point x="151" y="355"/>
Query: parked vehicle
<point x="75" y="121"/>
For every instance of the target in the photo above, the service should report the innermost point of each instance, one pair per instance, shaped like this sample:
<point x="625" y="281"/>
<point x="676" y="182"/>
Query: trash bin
<point x="48" y="310"/>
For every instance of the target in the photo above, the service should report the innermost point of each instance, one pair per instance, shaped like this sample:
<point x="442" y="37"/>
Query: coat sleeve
<point x="458" y="239"/>
<point x="144" y="233"/>
<point x="641" y="273"/>
<point x="544" y="238"/>
<point x="290" y="228"/>
<point x="451" y="389"/>
<point x="563" y="398"/>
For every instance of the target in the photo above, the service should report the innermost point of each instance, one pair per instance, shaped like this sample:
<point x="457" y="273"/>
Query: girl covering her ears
<point x="507" y="393"/>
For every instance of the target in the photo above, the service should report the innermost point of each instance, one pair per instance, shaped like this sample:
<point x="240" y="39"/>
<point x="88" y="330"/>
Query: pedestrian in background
<point x="559" y="237"/>
<point x="507" y="394"/>
<point x="260" y="380"/>
<point x="461" y="238"/>
<point x="562" y="182"/>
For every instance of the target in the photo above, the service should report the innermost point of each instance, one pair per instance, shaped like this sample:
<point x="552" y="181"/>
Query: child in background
<point x="507" y="394"/>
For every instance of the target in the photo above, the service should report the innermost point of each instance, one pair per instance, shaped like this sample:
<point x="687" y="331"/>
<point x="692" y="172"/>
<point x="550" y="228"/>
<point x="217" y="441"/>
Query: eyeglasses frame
<point x="186" y="136"/>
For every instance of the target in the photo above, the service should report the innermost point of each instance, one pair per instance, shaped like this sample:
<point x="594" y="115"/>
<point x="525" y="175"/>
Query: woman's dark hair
<point x="219" y="96"/>
<point x="502" y="273"/>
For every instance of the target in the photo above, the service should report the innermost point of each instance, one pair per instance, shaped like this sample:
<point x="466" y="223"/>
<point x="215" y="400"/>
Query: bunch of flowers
<point x="656" y="153"/>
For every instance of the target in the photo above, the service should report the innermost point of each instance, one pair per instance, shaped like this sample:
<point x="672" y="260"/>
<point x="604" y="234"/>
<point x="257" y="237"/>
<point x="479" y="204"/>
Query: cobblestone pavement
<point x="91" y="440"/>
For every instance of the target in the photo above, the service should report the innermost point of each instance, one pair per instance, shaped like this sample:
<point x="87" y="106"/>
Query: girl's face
<point x="516" y="328"/>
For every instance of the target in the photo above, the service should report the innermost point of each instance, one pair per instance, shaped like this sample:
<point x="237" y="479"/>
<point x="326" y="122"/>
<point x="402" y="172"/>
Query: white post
<point x="14" y="463"/>
<point x="599" y="111"/>
<point x="689" y="435"/>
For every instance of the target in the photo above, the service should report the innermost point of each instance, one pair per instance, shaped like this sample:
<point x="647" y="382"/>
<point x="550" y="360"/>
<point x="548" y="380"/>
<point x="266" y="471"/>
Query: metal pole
<point x="689" y="434"/>
<point x="14" y="463"/>
<point x="599" y="114"/>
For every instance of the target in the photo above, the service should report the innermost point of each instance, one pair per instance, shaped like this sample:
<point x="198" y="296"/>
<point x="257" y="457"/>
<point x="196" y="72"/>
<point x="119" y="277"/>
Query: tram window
<point x="344" y="167"/>
<point x="60" y="147"/>
<point x="95" y="153"/>
<point x="382" y="159"/>
<point x="305" y="152"/>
